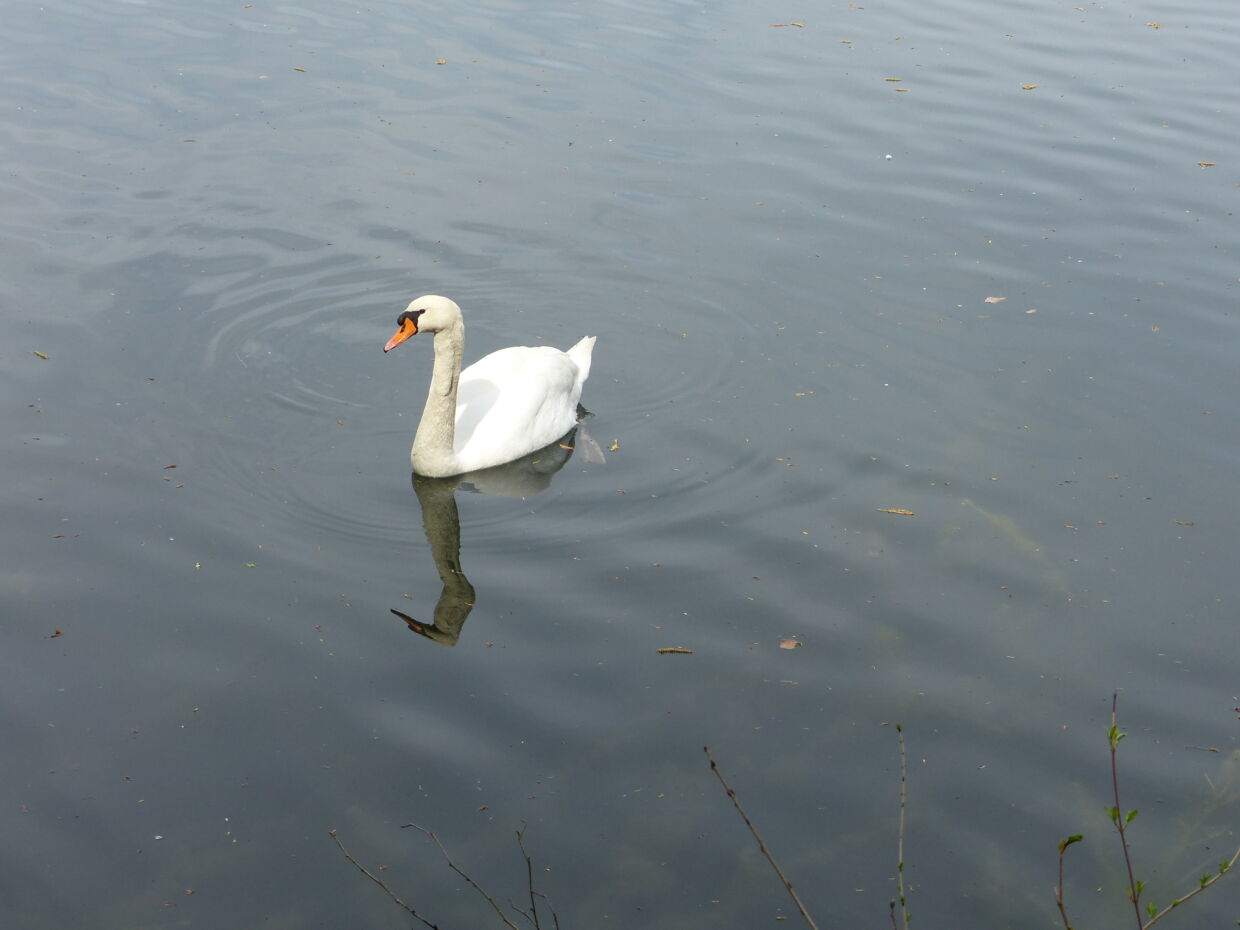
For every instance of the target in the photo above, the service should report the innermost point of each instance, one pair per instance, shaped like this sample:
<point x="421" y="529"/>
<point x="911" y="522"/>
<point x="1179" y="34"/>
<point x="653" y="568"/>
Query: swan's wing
<point x="514" y="401"/>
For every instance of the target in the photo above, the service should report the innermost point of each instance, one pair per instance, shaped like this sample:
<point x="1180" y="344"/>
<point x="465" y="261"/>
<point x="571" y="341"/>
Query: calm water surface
<point x="973" y="261"/>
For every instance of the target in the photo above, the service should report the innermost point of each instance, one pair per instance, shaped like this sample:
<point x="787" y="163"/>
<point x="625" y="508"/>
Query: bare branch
<point x="900" y="841"/>
<point x="455" y="868"/>
<point x="714" y="767"/>
<point x="378" y="881"/>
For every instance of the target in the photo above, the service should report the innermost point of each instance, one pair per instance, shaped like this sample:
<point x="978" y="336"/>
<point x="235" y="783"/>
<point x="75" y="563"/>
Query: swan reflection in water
<point x="525" y="477"/>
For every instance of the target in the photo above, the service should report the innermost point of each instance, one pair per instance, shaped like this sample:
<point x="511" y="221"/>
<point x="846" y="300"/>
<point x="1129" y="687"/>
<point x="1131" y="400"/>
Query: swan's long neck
<point x="432" y="452"/>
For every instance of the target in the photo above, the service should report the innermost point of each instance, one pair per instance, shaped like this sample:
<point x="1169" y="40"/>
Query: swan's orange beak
<point x="407" y="328"/>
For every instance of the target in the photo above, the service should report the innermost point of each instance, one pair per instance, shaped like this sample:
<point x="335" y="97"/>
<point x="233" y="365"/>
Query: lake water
<point x="973" y="261"/>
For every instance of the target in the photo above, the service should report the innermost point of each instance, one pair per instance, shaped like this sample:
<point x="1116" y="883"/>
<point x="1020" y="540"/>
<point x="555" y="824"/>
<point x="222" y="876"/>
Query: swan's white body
<point x="505" y="405"/>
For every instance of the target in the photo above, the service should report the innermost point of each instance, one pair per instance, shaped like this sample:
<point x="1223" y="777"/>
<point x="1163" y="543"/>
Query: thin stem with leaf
<point x="1118" y="818"/>
<point x="1121" y="822"/>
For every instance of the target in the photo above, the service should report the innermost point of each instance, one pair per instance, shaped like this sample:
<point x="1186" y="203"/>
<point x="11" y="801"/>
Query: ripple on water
<point x="315" y="420"/>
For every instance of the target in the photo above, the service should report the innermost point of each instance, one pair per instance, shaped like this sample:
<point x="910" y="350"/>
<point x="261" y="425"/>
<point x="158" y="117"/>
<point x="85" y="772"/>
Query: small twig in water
<point x="529" y="880"/>
<point x="378" y="881"/>
<point x="455" y="868"/>
<point x="532" y="916"/>
<point x="900" y="843"/>
<point x="714" y="767"/>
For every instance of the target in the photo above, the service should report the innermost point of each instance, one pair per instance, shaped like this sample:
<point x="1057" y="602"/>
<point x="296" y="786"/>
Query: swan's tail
<point x="580" y="354"/>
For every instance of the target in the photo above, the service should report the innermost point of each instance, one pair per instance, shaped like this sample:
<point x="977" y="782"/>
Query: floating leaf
<point x="57" y="634"/>
<point x="898" y="511"/>
<point x="675" y="650"/>
<point x="1203" y="164"/>
<point x="1028" y="86"/>
<point x="994" y="300"/>
<point x="40" y="354"/>
<point x="302" y="70"/>
<point x="790" y="643"/>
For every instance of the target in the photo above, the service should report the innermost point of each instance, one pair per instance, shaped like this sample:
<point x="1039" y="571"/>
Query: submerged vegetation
<point x="539" y="910"/>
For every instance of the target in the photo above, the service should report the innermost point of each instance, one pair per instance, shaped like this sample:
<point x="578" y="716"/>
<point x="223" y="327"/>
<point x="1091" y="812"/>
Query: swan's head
<point x="428" y="314"/>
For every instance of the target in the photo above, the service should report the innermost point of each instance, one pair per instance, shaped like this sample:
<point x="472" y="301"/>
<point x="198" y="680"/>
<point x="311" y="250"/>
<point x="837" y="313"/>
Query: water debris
<point x="994" y="300"/>
<point x="898" y="511"/>
<point x="302" y="70"/>
<point x="40" y="354"/>
<point x="1200" y="164"/>
<point x="56" y="634"/>
<point x="1185" y="522"/>
<point x="615" y="445"/>
<point x="778" y="25"/>
<point x="675" y="650"/>
<point x="790" y="643"/>
<point x="893" y="80"/>
<point x="1028" y="86"/>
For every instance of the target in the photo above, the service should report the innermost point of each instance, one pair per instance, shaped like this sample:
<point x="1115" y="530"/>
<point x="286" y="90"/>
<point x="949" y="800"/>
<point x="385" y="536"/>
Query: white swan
<point x="501" y="407"/>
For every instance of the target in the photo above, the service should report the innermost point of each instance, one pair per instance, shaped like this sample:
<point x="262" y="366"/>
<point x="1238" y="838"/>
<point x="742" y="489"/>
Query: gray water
<point x="212" y="216"/>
